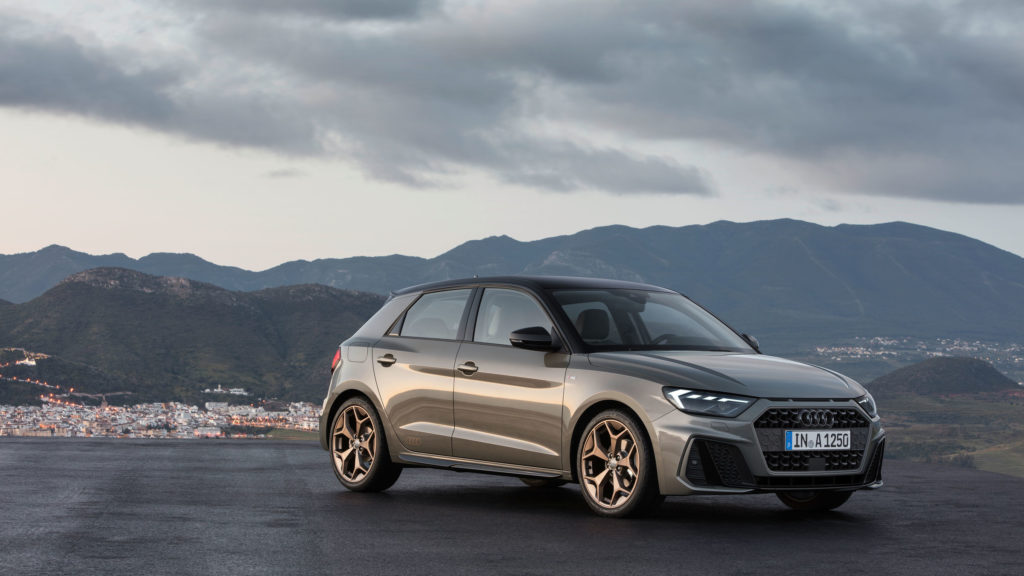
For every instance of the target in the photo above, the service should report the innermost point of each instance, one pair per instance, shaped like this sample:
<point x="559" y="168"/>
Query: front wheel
<point x="814" y="501"/>
<point x="359" y="450"/>
<point x="615" y="465"/>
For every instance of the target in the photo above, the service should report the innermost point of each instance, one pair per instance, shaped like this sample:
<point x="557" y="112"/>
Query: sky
<point x="254" y="132"/>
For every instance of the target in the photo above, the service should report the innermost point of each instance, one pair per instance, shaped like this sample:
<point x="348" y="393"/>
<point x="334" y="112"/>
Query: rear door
<point x="414" y="366"/>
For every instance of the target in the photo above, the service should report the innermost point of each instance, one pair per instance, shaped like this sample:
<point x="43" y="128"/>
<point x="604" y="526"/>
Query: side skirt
<point x="466" y="465"/>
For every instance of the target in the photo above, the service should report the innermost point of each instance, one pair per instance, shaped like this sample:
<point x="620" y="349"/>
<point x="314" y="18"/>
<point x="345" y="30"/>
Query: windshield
<point x="642" y="320"/>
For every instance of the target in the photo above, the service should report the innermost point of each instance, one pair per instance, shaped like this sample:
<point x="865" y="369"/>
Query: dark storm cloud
<point x="332" y="9"/>
<point x="898" y="99"/>
<point x="59" y="74"/>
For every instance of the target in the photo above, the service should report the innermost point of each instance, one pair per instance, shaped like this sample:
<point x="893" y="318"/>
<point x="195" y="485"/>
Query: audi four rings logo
<point x="823" y="418"/>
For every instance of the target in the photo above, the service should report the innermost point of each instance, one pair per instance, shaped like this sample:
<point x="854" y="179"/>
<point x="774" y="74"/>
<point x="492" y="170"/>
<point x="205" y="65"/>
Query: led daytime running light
<point x="706" y="403"/>
<point x="867" y="402"/>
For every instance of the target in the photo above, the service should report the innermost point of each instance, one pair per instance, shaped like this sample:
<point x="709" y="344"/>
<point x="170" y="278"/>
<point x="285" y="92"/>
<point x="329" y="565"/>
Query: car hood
<point x="746" y="374"/>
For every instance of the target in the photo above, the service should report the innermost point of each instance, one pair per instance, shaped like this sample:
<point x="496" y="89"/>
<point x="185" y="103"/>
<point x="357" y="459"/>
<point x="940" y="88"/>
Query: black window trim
<point x="539" y="301"/>
<point x="467" y="324"/>
<point x="395" y="331"/>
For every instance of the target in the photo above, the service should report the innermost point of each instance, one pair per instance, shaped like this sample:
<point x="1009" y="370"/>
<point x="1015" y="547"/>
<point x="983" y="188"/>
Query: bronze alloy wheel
<point x="615" y="466"/>
<point x="354" y="443"/>
<point x="359" y="450"/>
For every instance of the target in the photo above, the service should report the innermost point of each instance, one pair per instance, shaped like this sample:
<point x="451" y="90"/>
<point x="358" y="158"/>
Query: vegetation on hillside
<point x="959" y="411"/>
<point x="169" y="339"/>
<point x="943" y="375"/>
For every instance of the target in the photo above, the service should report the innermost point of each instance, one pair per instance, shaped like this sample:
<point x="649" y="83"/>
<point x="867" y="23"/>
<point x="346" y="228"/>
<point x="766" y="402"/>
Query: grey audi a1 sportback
<point x="633" y="391"/>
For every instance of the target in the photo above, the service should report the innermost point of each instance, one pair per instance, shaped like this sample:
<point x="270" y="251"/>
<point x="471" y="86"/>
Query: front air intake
<point x="717" y="464"/>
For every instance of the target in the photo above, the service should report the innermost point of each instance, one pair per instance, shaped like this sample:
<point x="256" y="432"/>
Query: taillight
<point x="336" y="360"/>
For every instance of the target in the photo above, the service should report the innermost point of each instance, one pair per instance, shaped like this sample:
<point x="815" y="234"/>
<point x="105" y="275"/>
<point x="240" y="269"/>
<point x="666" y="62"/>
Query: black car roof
<point x="534" y="282"/>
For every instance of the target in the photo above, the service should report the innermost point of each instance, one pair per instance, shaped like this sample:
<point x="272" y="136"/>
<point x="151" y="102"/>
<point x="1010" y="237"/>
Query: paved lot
<point x="254" y="507"/>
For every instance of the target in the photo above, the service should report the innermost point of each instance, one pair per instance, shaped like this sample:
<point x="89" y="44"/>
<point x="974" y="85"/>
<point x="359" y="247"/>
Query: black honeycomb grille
<point x="717" y="464"/>
<point x="805" y="482"/>
<point x="771" y="427"/>
<point x="726" y="462"/>
<point x="816" y="461"/>
<point x="791" y="418"/>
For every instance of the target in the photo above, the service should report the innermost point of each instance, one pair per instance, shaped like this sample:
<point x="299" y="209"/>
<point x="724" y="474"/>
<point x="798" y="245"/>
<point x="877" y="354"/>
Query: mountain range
<point x="789" y="282"/>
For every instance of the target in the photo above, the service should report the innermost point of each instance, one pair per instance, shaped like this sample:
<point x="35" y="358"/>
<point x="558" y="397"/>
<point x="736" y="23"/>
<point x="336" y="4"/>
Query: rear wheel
<point x="615" y="465"/>
<point x="814" y="501"/>
<point x="359" y="450"/>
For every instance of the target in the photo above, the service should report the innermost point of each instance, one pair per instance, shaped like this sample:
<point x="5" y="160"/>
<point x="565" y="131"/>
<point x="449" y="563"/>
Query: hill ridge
<point x="943" y="375"/>
<point x="170" y="338"/>
<point x="785" y="280"/>
<point x="126" y="279"/>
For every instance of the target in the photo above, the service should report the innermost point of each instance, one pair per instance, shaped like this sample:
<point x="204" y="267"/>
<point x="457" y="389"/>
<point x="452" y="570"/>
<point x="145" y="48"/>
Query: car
<point x="633" y="391"/>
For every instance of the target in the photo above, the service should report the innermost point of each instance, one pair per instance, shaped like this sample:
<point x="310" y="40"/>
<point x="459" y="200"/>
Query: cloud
<point x="284" y="173"/>
<point x="59" y="74"/>
<point x="344" y="10"/>
<point x="912" y="99"/>
<point x="829" y="204"/>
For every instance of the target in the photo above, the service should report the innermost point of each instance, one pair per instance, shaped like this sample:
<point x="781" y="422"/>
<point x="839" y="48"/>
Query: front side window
<point x="644" y="320"/>
<point x="436" y="315"/>
<point x="504" y="311"/>
<point x="593" y="322"/>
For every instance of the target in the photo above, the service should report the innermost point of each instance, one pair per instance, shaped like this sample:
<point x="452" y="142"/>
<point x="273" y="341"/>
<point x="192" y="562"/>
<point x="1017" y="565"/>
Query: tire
<point x="533" y="482"/>
<point x="359" y="449"/>
<point x="814" y="501"/>
<point x="616" y="467"/>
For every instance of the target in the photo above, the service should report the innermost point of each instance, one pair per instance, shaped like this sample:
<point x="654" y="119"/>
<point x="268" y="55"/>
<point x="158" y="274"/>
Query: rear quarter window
<point x="436" y="315"/>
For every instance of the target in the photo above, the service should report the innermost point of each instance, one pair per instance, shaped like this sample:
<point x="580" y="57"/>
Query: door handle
<point x="386" y="360"/>
<point x="468" y="368"/>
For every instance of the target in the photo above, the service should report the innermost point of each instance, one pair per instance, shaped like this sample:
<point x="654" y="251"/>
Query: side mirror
<point x="752" y="341"/>
<point x="534" y="338"/>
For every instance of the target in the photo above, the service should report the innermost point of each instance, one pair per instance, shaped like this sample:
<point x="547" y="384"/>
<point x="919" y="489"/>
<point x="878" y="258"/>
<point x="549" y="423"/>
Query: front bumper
<point x="702" y="455"/>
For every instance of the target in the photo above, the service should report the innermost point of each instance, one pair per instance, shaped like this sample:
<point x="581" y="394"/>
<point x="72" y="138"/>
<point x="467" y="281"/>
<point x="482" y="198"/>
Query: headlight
<point x="708" y="403"/>
<point x="868" y="404"/>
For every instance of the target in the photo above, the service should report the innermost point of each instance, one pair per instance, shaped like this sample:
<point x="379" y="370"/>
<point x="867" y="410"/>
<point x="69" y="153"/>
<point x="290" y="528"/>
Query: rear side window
<point x="436" y="315"/>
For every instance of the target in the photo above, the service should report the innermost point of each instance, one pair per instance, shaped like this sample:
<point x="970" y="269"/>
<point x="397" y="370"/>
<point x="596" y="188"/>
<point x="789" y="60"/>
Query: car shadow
<point x="565" y="505"/>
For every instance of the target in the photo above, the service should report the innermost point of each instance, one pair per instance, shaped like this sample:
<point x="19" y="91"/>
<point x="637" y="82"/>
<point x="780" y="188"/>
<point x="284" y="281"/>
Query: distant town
<point x="60" y="418"/>
<point x="69" y="413"/>
<point x="1008" y="358"/>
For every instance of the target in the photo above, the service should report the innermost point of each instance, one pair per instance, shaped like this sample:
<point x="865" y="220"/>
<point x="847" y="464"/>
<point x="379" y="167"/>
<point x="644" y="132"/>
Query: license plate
<point x="801" y="440"/>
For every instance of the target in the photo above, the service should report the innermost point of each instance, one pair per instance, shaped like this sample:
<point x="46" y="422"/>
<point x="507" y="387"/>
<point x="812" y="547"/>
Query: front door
<point x="508" y="401"/>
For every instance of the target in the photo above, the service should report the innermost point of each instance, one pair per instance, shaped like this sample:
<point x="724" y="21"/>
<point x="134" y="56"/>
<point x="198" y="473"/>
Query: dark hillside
<point x="172" y="337"/>
<point x="943" y="375"/>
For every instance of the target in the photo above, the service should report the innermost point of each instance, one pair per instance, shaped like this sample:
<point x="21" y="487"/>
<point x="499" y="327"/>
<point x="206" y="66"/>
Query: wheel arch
<point x="345" y="391"/>
<point x="590" y="411"/>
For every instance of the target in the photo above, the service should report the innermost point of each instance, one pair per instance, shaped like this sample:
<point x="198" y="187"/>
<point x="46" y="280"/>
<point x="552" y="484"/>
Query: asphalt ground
<point x="73" y="506"/>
